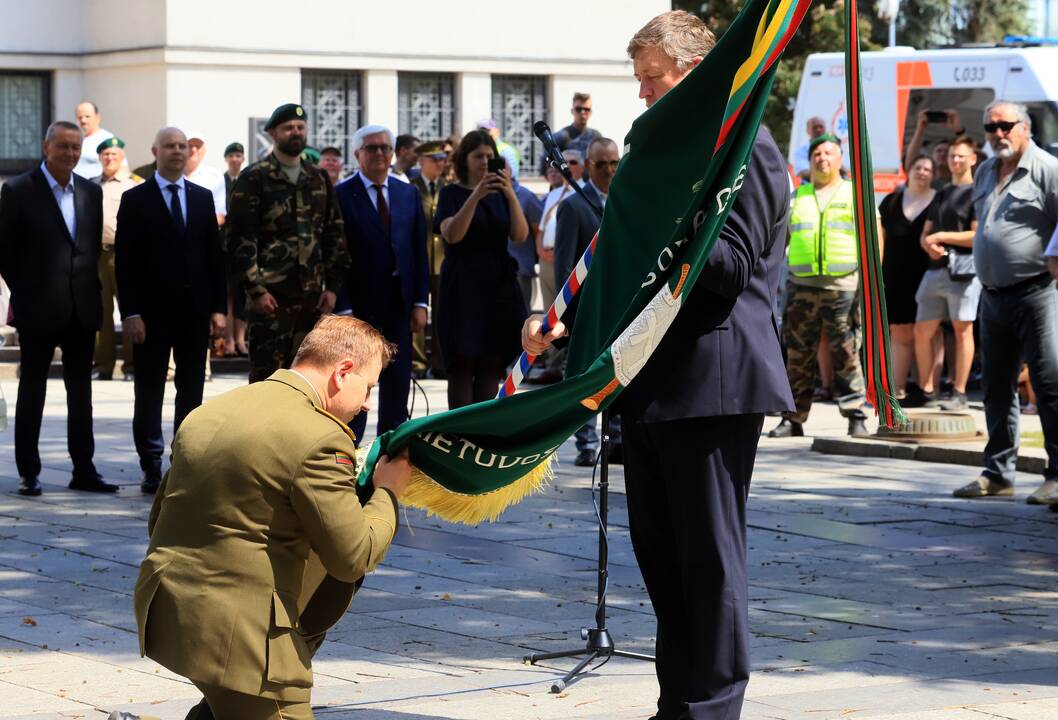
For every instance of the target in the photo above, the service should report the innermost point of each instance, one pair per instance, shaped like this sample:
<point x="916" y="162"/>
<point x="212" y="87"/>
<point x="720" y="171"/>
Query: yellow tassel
<point x="425" y="493"/>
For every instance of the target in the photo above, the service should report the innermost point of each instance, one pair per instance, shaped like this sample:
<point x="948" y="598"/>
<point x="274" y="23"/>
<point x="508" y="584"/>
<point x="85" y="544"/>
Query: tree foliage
<point x="920" y="24"/>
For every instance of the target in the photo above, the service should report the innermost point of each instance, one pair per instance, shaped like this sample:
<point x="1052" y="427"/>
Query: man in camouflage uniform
<point x="823" y="262"/>
<point x="286" y="243"/>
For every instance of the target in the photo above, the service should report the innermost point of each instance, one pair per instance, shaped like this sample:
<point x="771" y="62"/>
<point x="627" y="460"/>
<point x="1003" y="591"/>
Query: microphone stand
<point x="600" y="643"/>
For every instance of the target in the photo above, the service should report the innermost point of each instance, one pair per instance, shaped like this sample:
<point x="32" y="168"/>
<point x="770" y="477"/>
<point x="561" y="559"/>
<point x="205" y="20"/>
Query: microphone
<point x="543" y="134"/>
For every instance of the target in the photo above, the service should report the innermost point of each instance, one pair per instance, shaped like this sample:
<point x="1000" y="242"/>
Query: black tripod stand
<point x="600" y="643"/>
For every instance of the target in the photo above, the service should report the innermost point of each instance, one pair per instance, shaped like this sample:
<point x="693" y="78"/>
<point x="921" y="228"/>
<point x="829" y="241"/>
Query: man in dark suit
<point x="389" y="282"/>
<point x="51" y="229"/>
<point x="170" y="272"/>
<point x="578" y="219"/>
<point x="431" y="178"/>
<point x="693" y="416"/>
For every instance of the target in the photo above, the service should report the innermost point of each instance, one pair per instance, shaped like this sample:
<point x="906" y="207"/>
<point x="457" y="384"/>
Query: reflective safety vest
<point x="823" y="243"/>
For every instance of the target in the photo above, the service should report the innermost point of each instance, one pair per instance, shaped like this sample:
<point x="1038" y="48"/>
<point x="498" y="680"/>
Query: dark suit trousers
<point x="395" y="380"/>
<point x="687" y="483"/>
<point x="37" y="350"/>
<point x="187" y="338"/>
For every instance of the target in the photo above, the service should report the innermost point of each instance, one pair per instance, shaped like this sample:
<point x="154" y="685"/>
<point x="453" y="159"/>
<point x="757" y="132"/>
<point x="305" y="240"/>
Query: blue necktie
<point x="177" y="211"/>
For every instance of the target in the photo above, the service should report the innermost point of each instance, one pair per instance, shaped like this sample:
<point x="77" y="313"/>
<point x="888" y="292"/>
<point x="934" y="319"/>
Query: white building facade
<point x="221" y="66"/>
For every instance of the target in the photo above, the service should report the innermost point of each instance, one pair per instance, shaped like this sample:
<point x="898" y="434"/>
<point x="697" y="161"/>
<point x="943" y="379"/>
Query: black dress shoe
<point x="30" y="486"/>
<point x="585" y="458"/>
<point x="100" y="375"/>
<point x="92" y="483"/>
<point x="787" y="428"/>
<point x="150" y="482"/>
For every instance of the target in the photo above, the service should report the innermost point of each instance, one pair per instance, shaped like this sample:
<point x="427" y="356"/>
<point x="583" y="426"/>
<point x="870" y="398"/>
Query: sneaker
<point x="985" y="486"/>
<point x="933" y="401"/>
<point x="957" y="401"/>
<point x="857" y="428"/>
<point x="915" y="397"/>
<point x="1045" y="494"/>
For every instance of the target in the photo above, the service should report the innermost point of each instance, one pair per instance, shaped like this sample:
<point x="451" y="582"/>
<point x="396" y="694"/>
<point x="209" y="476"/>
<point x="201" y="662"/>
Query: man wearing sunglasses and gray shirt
<point x="1015" y="199"/>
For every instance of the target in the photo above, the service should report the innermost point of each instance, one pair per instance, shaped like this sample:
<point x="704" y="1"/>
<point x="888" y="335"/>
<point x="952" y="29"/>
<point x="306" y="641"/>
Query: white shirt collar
<point x="319" y="400"/>
<point x="52" y="182"/>
<point x="369" y="184"/>
<point x="165" y="182"/>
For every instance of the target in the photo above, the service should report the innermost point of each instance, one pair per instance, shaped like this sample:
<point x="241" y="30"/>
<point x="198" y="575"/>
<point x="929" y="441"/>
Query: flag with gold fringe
<point x="682" y="168"/>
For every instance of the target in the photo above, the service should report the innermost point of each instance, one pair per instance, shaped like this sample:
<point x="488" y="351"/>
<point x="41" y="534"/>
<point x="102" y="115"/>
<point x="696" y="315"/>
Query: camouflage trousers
<point x="274" y="339"/>
<point x="810" y="312"/>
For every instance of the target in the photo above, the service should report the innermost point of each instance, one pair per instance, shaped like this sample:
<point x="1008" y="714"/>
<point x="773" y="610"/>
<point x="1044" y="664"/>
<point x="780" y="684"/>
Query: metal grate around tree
<point x="426" y="105"/>
<point x="518" y="101"/>
<point x="331" y="99"/>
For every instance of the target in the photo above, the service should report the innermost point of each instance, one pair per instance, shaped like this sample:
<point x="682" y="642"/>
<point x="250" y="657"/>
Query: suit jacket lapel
<point x="53" y="207"/>
<point x="367" y="206"/>
<point x="81" y="212"/>
<point x="160" y="198"/>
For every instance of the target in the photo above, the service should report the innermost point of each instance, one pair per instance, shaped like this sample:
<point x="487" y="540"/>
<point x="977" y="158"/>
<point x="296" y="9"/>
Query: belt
<point x="1041" y="279"/>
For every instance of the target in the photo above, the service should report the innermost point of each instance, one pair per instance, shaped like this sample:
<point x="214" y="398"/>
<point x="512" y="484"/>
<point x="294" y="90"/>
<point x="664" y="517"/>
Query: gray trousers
<point x="1018" y="325"/>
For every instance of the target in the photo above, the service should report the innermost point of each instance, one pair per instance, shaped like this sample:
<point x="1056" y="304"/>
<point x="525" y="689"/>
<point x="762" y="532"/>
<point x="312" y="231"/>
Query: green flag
<point x="683" y="165"/>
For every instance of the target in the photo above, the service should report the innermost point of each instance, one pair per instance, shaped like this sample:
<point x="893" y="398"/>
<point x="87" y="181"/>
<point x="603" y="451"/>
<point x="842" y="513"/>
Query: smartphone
<point x="936" y="116"/>
<point x="497" y="164"/>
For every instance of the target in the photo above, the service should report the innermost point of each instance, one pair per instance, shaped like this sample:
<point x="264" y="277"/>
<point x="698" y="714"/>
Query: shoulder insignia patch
<point x="343" y="459"/>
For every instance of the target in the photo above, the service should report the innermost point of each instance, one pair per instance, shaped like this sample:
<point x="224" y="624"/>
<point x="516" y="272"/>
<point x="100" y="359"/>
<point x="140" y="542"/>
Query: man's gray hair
<point x="58" y="125"/>
<point x="1019" y="109"/>
<point x="572" y="154"/>
<point x="359" y="135"/>
<point x="603" y="142"/>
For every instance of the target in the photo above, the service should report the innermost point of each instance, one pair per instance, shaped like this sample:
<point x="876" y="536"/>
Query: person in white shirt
<point x="205" y="176"/>
<point x="88" y="118"/>
<point x="545" y="241"/>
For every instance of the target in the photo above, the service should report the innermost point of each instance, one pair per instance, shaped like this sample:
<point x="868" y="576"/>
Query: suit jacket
<point x="722" y="355"/>
<point x="53" y="277"/>
<point x="258" y="480"/>
<point x="157" y="270"/>
<point x="435" y="251"/>
<point x="575" y="225"/>
<point x="376" y="253"/>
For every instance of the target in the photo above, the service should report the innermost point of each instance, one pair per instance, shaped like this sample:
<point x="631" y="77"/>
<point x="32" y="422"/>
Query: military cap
<point x="331" y="150"/>
<point x="311" y="155"/>
<point x="234" y="148"/>
<point x="109" y="143"/>
<point x="283" y="113"/>
<point x="825" y="137"/>
<point x="433" y="147"/>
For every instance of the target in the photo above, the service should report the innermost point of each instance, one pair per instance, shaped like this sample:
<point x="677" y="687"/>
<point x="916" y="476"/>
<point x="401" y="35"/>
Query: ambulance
<point x="900" y="82"/>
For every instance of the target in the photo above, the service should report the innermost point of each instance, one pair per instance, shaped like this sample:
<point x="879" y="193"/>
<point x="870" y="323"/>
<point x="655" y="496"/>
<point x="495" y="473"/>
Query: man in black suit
<point x="51" y="228"/>
<point x="693" y="416"/>
<point x="170" y="272"/>
<point x="578" y="219"/>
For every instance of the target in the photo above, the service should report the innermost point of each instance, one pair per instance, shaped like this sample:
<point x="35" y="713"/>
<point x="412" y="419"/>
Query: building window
<point x="331" y="99"/>
<point x="25" y="113"/>
<point x="426" y="105"/>
<point x="518" y="101"/>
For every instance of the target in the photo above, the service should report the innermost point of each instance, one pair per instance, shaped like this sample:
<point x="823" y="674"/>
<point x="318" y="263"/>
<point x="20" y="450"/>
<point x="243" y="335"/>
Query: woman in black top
<point x="902" y="214"/>
<point x="480" y="307"/>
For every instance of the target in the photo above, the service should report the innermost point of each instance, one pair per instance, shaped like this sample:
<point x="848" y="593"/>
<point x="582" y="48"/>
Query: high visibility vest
<point x="822" y="243"/>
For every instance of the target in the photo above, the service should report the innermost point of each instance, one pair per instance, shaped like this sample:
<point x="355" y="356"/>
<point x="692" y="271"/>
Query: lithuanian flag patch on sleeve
<point x="343" y="459"/>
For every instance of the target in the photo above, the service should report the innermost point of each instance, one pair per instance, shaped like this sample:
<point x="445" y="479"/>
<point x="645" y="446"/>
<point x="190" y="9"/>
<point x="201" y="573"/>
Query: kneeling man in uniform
<point x="257" y="537"/>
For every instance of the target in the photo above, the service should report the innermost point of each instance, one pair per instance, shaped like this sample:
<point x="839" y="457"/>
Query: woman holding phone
<point x="480" y="307"/>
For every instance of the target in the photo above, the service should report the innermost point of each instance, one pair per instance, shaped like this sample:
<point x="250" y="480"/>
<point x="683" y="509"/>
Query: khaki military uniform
<point x="425" y="346"/>
<point x="106" y="339"/>
<point x="287" y="239"/>
<point x="259" y="505"/>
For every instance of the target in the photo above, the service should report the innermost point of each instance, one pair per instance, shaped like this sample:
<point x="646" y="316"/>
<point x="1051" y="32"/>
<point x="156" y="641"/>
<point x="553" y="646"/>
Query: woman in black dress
<point x="904" y="262"/>
<point x="480" y="308"/>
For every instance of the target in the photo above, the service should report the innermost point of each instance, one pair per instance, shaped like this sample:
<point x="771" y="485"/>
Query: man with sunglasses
<point x="577" y="135"/>
<point x="1016" y="203"/>
<point x="286" y="244"/>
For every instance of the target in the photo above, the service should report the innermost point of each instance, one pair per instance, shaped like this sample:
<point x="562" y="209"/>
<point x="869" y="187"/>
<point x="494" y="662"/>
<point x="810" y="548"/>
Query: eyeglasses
<point x="581" y="109"/>
<point x="1004" y="125"/>
<point x="600" y="164"/>
<point x="377" y="148"/>
<point x="573" y="162"/>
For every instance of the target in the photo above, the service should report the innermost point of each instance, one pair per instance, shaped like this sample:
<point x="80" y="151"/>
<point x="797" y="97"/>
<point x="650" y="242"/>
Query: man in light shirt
<point x="205" y="176"/>
<point x="88" y="118"/>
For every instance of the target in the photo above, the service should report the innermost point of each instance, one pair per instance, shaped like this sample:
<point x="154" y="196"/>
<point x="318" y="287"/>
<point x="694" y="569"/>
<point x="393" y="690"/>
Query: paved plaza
<point x="874" y="594"/>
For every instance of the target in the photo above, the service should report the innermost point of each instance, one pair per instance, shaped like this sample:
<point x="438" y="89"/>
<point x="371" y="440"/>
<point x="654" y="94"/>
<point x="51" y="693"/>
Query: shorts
<point x="941" y="298"/>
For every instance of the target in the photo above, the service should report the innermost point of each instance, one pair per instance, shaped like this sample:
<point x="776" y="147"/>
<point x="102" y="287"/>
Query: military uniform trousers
<point x="687" y="482"/>
<point x="810" y="311"/>
<point x="106" y="338"/>
<point x="274" y="339"/>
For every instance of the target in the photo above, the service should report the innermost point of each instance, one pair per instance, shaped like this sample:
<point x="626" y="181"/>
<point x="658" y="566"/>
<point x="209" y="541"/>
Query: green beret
<point x="825" y="137"/>
<point x="283" y="113"/>
<point x="311" y="155"/>
<point x="234" y="147"/>
<point x="434" y="147"/>
<point x="109" y="143"/>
